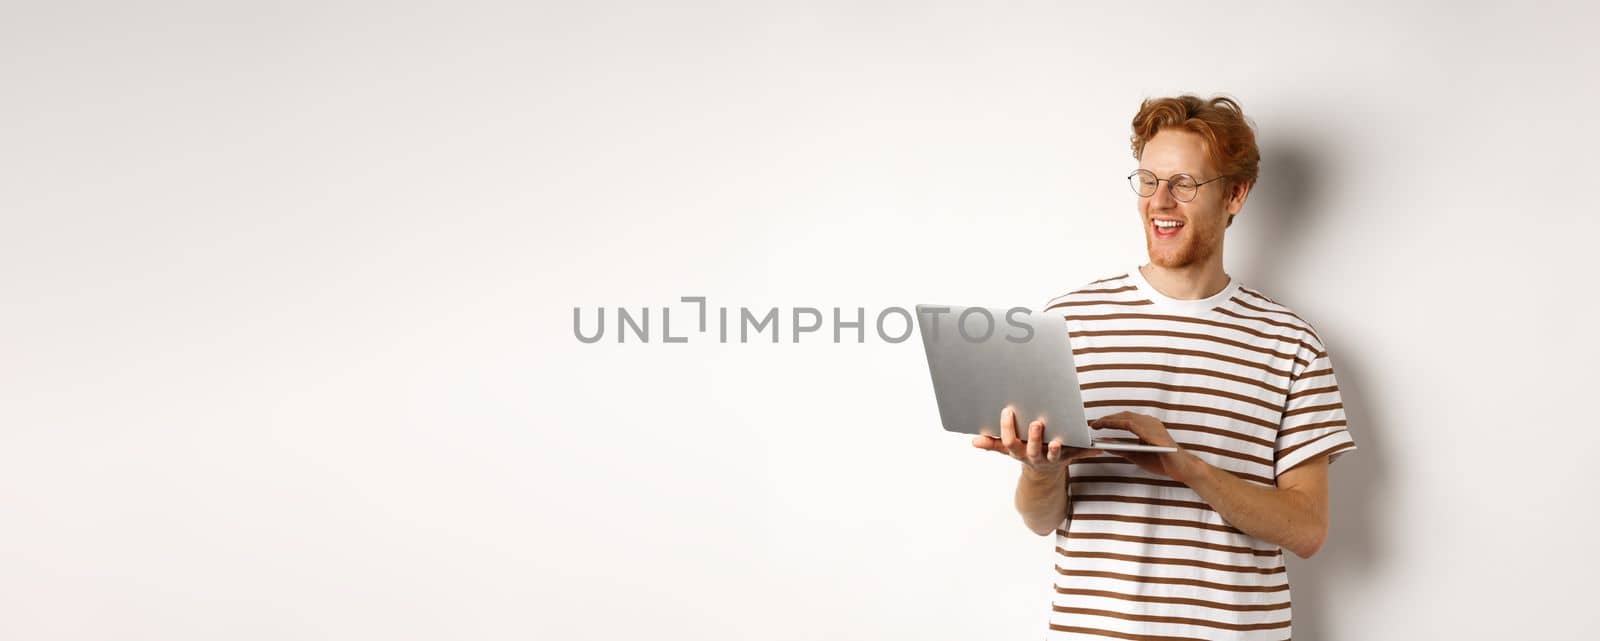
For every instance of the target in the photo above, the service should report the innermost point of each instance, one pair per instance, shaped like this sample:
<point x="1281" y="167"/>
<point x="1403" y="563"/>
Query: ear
<point x="1237" y="193"/>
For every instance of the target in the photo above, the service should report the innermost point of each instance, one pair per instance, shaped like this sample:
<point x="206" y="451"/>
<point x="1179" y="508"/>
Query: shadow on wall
<point x="1281" y="210"/>
<point x="1285" y="214"/>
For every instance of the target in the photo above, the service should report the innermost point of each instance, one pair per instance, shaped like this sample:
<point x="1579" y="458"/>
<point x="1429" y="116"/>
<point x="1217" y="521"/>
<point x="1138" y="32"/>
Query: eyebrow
<point x="1170" y="173"/>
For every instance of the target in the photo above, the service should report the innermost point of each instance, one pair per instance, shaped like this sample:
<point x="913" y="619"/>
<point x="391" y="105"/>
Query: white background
<point x="288" y="292"/>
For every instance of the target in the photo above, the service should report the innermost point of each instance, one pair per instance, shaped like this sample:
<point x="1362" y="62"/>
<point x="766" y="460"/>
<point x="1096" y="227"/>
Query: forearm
<point x="1286" y="517"/>
<point x="1042" y="499"/>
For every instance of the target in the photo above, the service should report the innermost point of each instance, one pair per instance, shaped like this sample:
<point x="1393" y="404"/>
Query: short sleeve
<point x="1313" y="421"/>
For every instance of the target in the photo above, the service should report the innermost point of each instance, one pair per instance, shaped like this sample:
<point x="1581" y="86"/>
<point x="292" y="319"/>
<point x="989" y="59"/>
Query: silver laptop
<point x="983" y="359"/>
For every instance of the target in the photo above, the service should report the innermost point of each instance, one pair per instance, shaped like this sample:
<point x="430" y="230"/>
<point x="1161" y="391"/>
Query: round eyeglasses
<point x="1182" y="186"/>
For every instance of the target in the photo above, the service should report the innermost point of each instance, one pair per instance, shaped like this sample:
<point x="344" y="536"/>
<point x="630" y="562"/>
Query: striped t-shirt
<point x="1241" y="382"/>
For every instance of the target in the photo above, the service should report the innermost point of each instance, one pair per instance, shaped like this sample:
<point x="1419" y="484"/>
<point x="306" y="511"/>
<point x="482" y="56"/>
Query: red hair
<point x="1230" y="138"/>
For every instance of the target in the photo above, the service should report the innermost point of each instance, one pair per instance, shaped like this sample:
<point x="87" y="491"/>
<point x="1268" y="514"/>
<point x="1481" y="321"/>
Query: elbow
<point x="1043" y="526"/>
<point x="1308" y="547"/>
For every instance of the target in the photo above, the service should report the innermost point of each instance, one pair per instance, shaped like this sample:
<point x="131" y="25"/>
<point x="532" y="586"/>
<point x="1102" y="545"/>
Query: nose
<point x="1163" y="199"/>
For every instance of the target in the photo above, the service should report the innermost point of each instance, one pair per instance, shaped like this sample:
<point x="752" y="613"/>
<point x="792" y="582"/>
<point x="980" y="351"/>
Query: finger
<point x="1008" y="429"/>
<point x="1016" y="447"/>
<point x="1055" y="450"/>
<point x="1035" y="439"/>
<point x="983" y="442"/>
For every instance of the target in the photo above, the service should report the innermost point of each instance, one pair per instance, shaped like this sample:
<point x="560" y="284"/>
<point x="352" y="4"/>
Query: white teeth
<point x="1165" y="224"/>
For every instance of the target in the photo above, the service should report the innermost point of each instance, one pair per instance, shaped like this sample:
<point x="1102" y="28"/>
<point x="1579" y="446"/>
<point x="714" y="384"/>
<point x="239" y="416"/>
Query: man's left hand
<point x="1148" y="428"/>
<point x="1151" y="431"/>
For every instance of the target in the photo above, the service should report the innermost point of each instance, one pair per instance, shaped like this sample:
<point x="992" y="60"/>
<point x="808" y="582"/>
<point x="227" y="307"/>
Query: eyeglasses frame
<point x="1197" y="185"/>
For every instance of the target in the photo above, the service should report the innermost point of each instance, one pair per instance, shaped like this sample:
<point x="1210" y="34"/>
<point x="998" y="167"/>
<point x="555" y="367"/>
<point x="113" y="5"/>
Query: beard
<point x="1195" y="245"/>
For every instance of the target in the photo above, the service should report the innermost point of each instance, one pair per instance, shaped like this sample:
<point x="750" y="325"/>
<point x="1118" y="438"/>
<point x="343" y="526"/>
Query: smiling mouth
<point x="1166" y="232"/>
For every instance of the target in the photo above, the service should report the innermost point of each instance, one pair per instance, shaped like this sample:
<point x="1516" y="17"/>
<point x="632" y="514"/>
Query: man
<point x="1177" y="352"/>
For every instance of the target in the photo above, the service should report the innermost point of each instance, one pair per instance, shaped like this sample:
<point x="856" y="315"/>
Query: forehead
<point x="1176" y="151"/>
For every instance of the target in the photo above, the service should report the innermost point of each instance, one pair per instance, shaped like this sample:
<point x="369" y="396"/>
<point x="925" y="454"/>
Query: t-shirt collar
<point x="1180" y="306"/>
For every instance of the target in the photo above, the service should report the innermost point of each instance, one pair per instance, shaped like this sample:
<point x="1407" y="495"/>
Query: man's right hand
<point x="1038" y="459"/>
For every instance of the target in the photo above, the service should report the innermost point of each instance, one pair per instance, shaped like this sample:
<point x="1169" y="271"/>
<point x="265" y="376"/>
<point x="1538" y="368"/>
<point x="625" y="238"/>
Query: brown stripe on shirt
<point x="1285" y="309"/>
<point x="1331" y="451"/>
<point x="1123" y="479"/>
<point x="1089" y="290"/>
<point x="1313" y="408"/>
<point x="1124" y="288"/>
<point x="1194" y="321"/>
<point x="1310" y="426"/>
<point x="1285" y="452"/>
<point x="1151" y="598"/>
<point x="1219" y="431"/>
<point x="1315" y="373"/>
<point x="1192" y="336"/>
<point x="1150" y="618"/>
<point x="1161" y="560"/>
<point x="1179" y="407"/>
<point x="1188" y="444"/>
<point x="1187" y="389"/>
<point x="1157" y="540"/>
<point x="1172" y="580"/>
<point x="1198" y="371"/>
<point x="1117" y="460"/>
<point x="1081" y="303"/>
<point x="1268" y="321"/>
<point x="1118" y="498"/>
<point x="1226" y="453"/>
<point x="1181" y="352"/>
<point x="1150" y="520"/>
<point x="1310" y="392"/>
<point x="1117" y="635"/>
<point x="1305" y="326"/>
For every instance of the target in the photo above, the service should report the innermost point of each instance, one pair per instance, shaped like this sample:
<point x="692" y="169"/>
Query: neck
<point x="1190" y="282"/>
